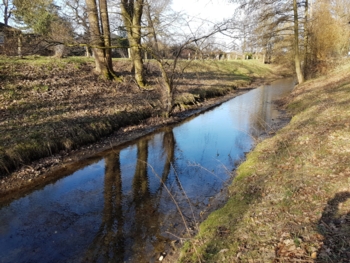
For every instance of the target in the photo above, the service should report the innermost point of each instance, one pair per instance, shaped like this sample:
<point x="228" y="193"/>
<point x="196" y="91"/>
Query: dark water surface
<point x="117" y="209"/>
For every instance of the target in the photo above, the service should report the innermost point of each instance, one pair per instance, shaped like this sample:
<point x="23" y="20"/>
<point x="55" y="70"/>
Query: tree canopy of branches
<point x="42" y="18"/>
<point x="315" y="32"/>
<point x="35" y="15"/>
<point x="6" y="10"/>
<point x="276" y="18"/>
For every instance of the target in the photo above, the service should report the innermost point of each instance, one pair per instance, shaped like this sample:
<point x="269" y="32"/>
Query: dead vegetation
<point x="290" y="200"/>
<point x="60" y="106"/>
<point x="52" y="105"/>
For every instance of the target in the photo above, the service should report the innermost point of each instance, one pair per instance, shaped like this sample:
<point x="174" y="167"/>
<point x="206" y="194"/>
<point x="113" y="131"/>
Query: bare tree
<point x="154" y="10"/>
<point x="276" y="15"/>
<point x="100" y="38"/>
<point x="131" y="11"/>
<point x="169" y="69"/>
<point x="298" y="70"/>
<point x="78" y="16"/>
<point x="78" y="13"/>
<point x="7" y="10"/>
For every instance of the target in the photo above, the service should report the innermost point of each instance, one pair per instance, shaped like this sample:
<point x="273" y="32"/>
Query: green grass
<point x="210" y="78"/>
<point x="241" y="69"/>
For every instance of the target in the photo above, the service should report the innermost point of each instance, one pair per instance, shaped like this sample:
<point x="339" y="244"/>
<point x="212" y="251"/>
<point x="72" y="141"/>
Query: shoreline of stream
<point x="50" y="169"/>
<point x="219" y="199"/>
<point x="31" y="139"/>
<point x="290" y="199"/>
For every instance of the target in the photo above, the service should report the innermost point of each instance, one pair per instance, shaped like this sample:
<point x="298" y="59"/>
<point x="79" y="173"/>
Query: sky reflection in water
<point x="117" y="209"/>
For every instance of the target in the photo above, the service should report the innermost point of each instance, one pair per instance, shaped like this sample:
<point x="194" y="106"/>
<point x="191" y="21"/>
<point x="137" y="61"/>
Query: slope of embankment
<point x="290" y="200"/>
<point x="51" y="107"/>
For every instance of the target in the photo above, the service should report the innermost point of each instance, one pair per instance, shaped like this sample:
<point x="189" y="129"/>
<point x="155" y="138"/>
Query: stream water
<point x="124" y="206"/>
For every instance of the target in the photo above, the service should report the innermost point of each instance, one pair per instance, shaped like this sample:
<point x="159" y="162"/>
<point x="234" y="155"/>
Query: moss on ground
<point x="290" y="200"/>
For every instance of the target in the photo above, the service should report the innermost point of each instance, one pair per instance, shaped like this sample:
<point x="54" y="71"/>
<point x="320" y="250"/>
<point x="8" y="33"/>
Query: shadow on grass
<point x="335" y="227"/>
<point x="311" y="99"/>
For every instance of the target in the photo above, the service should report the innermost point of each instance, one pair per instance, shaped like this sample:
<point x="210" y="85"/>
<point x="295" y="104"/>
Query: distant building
<point x="15" y="43"/>
<point x="10" y="40"/>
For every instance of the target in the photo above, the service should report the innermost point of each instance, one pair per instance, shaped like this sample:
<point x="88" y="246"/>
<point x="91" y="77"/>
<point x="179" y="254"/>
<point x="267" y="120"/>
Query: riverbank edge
<point x="285" y="202"/>
<point x="58" y="105"/>
<point x="219" y="201"/>
<point x="49" y="169"/>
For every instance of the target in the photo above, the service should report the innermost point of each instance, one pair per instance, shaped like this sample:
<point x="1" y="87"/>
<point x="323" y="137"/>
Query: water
<point x="121" y="208"/>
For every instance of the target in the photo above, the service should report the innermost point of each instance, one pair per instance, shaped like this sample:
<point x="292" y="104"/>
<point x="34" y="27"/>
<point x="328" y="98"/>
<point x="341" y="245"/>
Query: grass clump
<point x="290" y="199"/>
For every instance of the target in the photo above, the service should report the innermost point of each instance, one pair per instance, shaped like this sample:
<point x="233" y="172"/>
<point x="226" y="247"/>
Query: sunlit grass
<point x="237" y="67"/>
<point x="278" y="201"/>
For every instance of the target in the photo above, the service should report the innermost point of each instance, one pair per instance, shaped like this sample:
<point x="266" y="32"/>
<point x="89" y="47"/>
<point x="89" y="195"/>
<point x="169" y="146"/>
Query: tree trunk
<point x="152" y="31"/>
<point x="87" y="52"/>
<point x="136" y="56"/>
<point x="106" y="33"/>
<point x="20" y="44"/>
<point x="7" y="11"/>
<point x="97" y="41"/>
<point x="296" y="44"/>
<point x="156" y="54"/>
<point x="306" y="39"/>
<point x="132" y="13"/>
<point x="168" y="89"/>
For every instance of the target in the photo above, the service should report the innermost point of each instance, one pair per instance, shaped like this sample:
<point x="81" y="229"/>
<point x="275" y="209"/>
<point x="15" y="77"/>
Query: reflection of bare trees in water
<point x="169" y="144"/>
<point x="148" y="220"/>
<point x="169" y="151"/>
<point x="335" y="227"/>
<point x="260" y="119"/>
<point x="140" y="182"/>
<point x="141" y="216"/>
<point x="108" y="244"/>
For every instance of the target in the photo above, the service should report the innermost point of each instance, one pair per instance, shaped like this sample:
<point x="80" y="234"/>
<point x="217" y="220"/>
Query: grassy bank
<point x="290" y="200"/>
<point x="49" y="105"/>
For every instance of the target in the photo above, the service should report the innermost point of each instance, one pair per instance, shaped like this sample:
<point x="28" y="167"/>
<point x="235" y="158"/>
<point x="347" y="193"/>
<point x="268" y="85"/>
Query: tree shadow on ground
<point x="334" y="225"/>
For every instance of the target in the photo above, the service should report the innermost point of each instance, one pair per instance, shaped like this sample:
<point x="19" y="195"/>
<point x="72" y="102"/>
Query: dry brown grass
<point x="50" y="105"/>
<point x="290" y="201"/>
